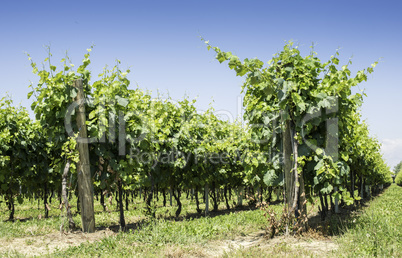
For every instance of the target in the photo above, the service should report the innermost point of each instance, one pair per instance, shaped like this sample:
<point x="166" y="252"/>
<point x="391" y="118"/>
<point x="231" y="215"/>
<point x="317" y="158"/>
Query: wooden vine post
<point x="85" y="187"/>
<point x="288" y="167"/>
<point x="294" y="183"/>
<point x="206" y="194"/>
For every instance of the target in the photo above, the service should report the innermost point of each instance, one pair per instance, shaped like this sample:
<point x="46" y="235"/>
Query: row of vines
<point x="303" y="134"/>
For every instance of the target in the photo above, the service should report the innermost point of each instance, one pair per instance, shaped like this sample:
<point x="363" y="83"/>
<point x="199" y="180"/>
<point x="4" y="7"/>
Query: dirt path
<point x="45" y="244"/>
<point x="278" y="246"/>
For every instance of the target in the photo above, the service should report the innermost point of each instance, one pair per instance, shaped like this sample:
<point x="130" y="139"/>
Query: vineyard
<point x="95" y="140"/>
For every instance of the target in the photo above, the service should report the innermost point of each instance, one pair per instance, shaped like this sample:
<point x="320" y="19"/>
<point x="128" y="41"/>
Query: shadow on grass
<point x="194" y="215"/>
<point x="211" y="213"/>
<point x="26" y="219"/>
<point x="336" y="224"/>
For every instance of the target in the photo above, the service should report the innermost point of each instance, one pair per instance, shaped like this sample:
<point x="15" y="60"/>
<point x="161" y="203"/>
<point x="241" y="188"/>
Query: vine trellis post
<point x="85" y="187"/>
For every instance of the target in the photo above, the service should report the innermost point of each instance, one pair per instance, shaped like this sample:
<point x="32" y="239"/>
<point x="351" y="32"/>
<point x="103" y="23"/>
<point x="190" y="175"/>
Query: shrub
<point x="398" y="179"/>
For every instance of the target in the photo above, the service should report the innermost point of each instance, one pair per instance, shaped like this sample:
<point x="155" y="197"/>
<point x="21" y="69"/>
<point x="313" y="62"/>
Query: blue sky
<point x="159" y="41"/>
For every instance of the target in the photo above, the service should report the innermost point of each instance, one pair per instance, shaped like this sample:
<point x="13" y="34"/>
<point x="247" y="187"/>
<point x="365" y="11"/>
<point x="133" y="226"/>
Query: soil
<point x="314" y="246"/>
<point x="46" y="244"/>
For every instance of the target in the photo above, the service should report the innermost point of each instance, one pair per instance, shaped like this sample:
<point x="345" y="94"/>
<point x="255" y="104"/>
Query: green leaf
<point x="30" y="94"/>
<point x="301" y="106"/>
<point x="324" y="103"/>
<point x="319" y="165"/>
<point x="335" y="60"/>
<point x="122" y="101"/>
<point x="272" y="179"/>
<point x="327" y="188"/>
<point x="322" y="95"/>
<point x="92" y="114"/>
<point x="73" y="93"/>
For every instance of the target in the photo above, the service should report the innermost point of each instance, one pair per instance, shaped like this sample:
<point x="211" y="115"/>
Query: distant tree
<point x="398" y="168"/>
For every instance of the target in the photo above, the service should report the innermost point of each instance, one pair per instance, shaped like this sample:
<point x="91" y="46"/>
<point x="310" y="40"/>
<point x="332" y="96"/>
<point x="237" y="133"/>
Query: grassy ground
<point x="373" y="231"/>
<point x="377" y="229"/>
<point x="149" y="235"/>
<point x="156" y="236"/>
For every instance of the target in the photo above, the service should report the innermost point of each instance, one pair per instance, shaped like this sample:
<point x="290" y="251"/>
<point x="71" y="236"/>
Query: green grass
<point x="144" y="235"/>
<point x="29" y="220"/>
<point x="377" y="231"/>
<point x="29" y="217"/>
<point x="159" y="234"/>
<point x="373" y="231"/>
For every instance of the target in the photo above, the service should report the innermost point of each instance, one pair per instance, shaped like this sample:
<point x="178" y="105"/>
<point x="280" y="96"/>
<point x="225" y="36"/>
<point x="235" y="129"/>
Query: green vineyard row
<point x="159" y="144"/>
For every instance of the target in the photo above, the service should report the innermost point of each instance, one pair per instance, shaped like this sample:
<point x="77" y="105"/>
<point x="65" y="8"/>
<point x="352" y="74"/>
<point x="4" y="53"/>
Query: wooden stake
<point x="336" y="201"/>
<point x="71" y="224"/>
<point x="85" y="187"/>
<point x="288" y="167"/>
<point x="206" y="200"/>
<point x="240" y="191"/>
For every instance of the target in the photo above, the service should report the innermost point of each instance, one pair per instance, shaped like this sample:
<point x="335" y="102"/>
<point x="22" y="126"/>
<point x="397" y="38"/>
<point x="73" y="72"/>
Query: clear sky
<point x="159" y="41"/>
